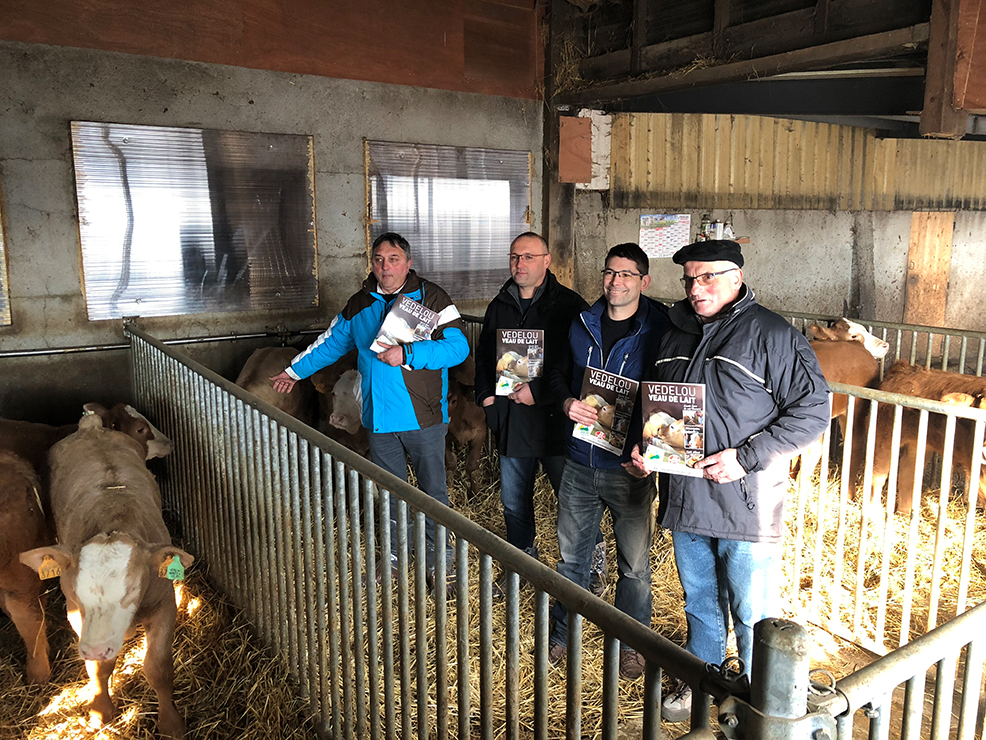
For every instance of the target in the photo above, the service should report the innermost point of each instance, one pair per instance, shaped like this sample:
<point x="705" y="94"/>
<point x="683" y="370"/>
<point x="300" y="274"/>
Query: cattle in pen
<point x="115" y="558"/>
<point x="849" y="354"/>
<point x="23" y="527"/>
<point x="255" y="378"/>
<point x="937" y="385"/>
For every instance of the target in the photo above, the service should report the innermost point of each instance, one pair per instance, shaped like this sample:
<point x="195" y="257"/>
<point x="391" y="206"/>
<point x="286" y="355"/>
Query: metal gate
<point x="289" y="523"/>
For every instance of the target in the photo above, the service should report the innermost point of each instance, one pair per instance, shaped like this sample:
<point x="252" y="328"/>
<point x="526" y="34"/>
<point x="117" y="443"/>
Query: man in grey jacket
<point x="765" y="399"/>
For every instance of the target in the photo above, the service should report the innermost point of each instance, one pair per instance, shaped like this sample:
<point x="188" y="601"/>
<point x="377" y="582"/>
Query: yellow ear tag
<point x="49" y="568"/>
<point x="173" y="571"/>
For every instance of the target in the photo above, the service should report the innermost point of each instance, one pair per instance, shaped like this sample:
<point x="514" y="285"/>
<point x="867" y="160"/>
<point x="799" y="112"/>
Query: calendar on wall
<point x="661" y="235"/>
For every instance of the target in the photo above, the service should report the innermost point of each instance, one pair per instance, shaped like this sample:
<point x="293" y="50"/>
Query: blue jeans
<point x="517" y="476"/>
<point x="726" y="577"/>
<point x="583" y="495"/>
<point x="426" y="448"/>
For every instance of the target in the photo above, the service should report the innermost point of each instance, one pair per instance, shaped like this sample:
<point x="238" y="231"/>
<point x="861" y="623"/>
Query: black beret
<point x="710" y="251"/>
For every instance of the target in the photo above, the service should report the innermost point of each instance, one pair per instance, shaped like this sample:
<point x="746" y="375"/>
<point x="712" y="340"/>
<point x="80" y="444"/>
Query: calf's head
<point x="104" y="582"/>
<point x="125" y="418"/>
<point x="845" y="330"/>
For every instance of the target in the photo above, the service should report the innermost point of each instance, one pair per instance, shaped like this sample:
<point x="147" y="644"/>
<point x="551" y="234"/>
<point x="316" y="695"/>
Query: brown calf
<point x="23" y="527"/>
<point x="912" y="380"/>
<point x="255" y="377"/>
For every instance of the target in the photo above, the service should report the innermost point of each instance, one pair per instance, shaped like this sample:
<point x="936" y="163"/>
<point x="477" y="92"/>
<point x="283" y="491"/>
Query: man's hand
<point x="283" y="383"/>
<point x="393" y="355"/>
<point x="580" y="413"/>
<point x="635" y="466"/>
<point x="522" y="394"/>
<point x="721" y="467"/>
<point x="488" y="401"/>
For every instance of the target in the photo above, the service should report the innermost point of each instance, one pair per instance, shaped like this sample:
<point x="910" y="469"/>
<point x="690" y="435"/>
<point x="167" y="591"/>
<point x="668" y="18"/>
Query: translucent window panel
<point x="4" y="285"/>
<point x="459" y="207"/>
<point x="181" y="221"/>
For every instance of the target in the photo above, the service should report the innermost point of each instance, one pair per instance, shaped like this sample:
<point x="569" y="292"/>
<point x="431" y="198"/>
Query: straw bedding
<point x="227" y="686"/>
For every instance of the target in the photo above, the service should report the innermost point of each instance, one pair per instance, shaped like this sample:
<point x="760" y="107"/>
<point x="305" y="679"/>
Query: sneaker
<point x="678" y="706"/>
<point x="597" y="569"/>
<point x="557" y="653"/>
<point x="631" y="664"/>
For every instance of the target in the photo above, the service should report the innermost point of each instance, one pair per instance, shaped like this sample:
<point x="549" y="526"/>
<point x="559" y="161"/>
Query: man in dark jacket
<point x="765" y="399"/>
<point x="529" y="425"/>
<point x="620" y="334"/>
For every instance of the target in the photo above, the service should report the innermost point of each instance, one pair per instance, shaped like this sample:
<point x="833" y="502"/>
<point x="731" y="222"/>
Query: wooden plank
<point x="639" y="37"/>
<point x="574" y="149"/>
<point x="929" y="256"/>
<point x="938" y="117"/>
<point x="970" y="66"/>
<point x="816" y="57"/>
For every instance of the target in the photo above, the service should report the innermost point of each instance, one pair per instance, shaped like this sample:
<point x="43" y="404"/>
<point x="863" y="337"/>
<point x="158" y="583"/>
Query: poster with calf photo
<point x="520" y="357"/>
<point x="613" y="397"/>
<point x="674" y="427"/>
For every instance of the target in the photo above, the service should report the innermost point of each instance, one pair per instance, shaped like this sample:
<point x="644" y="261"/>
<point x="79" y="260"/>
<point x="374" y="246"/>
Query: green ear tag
<point x="176" y="571"/>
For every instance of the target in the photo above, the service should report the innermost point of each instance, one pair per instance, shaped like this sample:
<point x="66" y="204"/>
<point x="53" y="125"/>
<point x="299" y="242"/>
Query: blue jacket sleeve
<point x="435" y="354"/>
<point x="331" y="345"/>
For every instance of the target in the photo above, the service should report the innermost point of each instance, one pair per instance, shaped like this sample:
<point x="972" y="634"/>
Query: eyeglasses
<point x="526" y="258"/>
<point x="705" y="278"/>
<point x="622" y="274"/>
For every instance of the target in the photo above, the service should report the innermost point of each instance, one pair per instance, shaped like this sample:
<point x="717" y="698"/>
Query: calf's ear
<point x="166" y="553"/>
<point x="43" y="557"/>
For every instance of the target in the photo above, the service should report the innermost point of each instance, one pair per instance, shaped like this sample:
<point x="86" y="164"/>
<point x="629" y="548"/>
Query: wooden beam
<point x="821" y="16"/>
<point x="970" y="66"/>
<point x="863" y="48"/>
<point x="938" y="118"/>
<point x="557" y="198"/>
<point x="720" y="22"/>
<point x="639" y="37"/>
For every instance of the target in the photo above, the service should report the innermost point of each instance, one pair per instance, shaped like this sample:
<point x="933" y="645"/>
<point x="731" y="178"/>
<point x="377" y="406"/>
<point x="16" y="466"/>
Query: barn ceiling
<point x="907" y="67"/>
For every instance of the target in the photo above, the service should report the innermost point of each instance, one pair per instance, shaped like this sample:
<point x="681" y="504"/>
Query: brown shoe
<point x="557" y="653"/>
<point x="451" y="589"/>
<point x="632" y="664"/>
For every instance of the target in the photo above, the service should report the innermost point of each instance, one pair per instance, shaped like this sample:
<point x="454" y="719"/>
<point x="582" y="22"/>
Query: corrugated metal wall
<point x="722" y="161"/>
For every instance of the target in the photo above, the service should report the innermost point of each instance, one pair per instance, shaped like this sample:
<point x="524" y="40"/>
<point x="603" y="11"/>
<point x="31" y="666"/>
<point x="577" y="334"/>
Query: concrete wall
<point x="45" y="87"/>
<point x="809" y="261"/>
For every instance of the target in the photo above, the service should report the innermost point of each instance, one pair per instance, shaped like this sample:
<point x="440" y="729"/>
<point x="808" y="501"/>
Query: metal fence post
<point x="778" y="707"/>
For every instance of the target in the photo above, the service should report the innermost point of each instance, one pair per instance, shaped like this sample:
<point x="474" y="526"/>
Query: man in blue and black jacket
<point x="620" y="333"/>
<point x="404" y="388"/>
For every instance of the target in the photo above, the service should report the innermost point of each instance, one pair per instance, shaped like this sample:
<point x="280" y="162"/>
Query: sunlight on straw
<point x="132" y="660"/>
<point x="68" y="698"/>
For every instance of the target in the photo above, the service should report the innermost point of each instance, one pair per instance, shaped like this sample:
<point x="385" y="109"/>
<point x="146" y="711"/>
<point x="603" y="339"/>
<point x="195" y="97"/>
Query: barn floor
<point x="225" y="685"/>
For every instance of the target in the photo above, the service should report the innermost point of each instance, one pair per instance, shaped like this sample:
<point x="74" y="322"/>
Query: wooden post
<point x="938" y="118"/>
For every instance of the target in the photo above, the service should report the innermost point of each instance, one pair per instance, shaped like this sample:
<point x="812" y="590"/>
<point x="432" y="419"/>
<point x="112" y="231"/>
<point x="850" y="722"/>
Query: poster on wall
<point x="661" y="235"/>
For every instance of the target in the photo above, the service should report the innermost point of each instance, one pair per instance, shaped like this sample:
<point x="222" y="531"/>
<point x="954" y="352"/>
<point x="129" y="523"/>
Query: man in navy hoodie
<point x="620" y="334"/>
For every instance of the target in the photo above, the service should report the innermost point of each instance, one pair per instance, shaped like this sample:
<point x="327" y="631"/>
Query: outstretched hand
<point x="283" y="383"/>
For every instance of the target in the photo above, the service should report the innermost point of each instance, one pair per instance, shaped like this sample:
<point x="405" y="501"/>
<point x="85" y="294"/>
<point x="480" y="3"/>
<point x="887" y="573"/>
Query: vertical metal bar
<point x="980" y="355"/>
<point x="279" y="474"/>
<point x="910" y="564"/>
<point x="462" y="634"/>
<point x="404" y="615"/>
<point x="441" y="632"/>
<point x="886" y="549"/>
<point x="421" y="624"/>
<point x="969" y="533"/>
<point x="941" y="711"/>
<point x="387" y="614"/>
<point x="653" y="676"/>
<point x="345" y="609"/>
<point x="946" y="351"/>
<point x="373" y="643"/>
<point x="573" y="687"/>
<point x="963" y="348"/>
<point x="512" y="698"/>
<point x="971" y="682"/>
<point x="541" y="625"/>
<point x="333" y="611"/>
<point x="234" y="508"/>
<point x="611" y="681"/>
<point x="359" y="622"/>
<point x="310" y="574"/>
<point x="913" y="709"/>
<point x="259" y="544"/>
<point x="486" y="646"/>
<point x="298" y="474"/>
<point x="929" y="350"/>
<point x="941" y="540"/>
<point x="880" y="720"/>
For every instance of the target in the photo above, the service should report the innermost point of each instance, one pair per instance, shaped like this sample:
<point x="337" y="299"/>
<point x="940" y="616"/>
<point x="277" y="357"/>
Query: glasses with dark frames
<point x="705" y="278"/>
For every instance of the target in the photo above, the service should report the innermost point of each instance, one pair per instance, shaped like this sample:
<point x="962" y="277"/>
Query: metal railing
<point x="955" y="350"/>
<point x="290" y="526"/>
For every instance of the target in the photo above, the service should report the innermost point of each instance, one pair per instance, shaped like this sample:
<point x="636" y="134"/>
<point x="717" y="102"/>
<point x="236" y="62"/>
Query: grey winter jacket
<point x="765" y="397"/>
